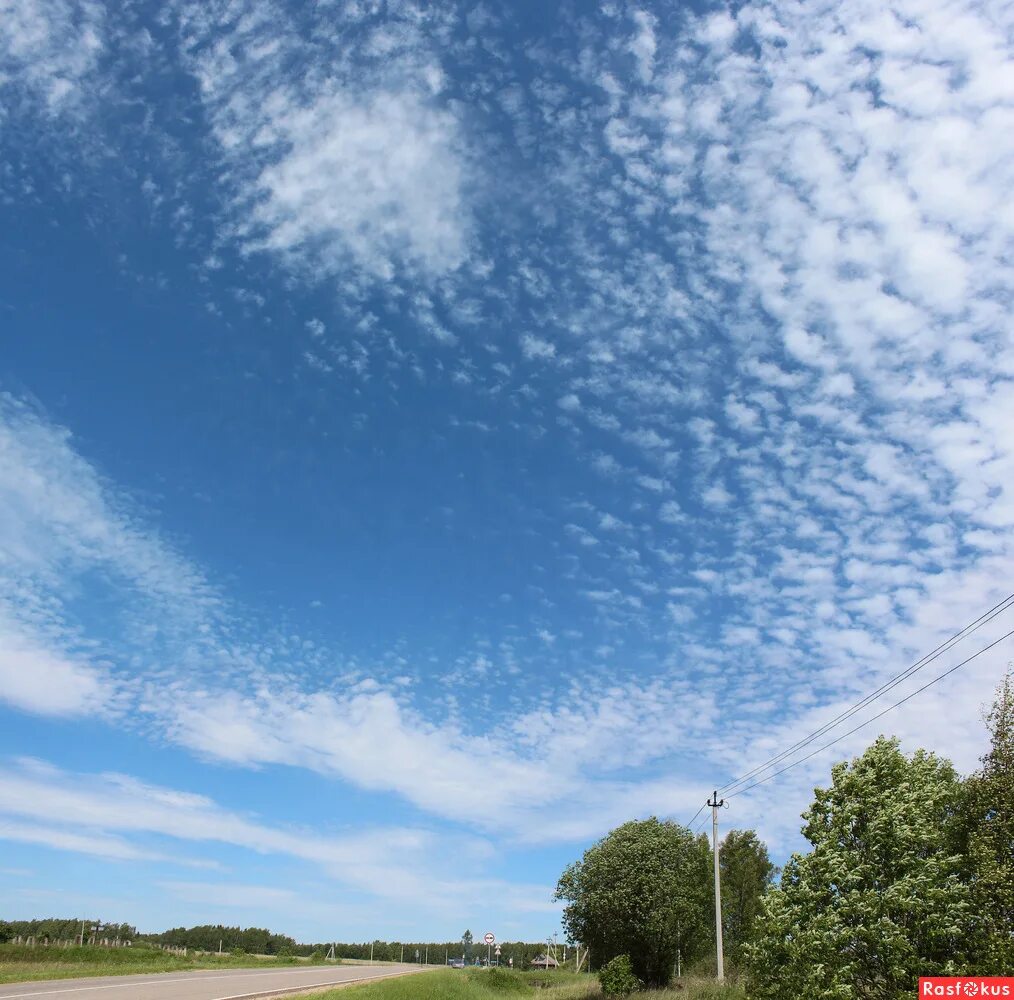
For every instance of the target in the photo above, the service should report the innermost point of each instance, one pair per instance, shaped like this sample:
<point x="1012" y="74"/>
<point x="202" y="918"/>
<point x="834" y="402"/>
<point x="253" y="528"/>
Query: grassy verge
<point x="464" y="984"/>
<point x="691" y="988"/>
<point x="498" y="984"/>
<point x="21" y="963"/>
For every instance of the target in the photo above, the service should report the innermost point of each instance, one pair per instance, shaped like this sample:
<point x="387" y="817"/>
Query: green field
<point x="21" y="963"/>
<point x="498" y="984"/>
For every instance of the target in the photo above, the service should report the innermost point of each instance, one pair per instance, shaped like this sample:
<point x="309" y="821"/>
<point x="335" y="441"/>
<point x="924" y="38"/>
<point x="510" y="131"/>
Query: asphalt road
<point x="230" y="985"/>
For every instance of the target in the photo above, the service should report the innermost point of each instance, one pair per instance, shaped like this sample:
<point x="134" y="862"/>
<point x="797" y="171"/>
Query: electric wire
<point x="695" y="815"/>
<point x="874" y="718"/>
<point x="888" y="685"/>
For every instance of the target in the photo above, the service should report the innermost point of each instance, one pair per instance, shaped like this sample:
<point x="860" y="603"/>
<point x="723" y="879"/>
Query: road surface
<point x="217" y="985"/>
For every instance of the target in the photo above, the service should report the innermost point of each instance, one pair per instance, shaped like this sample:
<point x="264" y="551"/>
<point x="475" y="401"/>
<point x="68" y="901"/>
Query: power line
<point x="695" y="815"/>
<point x="874" y="718"/>
<point x="888" y="685"/>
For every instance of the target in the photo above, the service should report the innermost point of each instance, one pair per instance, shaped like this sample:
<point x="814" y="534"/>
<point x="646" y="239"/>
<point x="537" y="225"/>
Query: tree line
<point x="62" y="929"/>
<point x="909" y="873"/>
<point x="261" y="941"/>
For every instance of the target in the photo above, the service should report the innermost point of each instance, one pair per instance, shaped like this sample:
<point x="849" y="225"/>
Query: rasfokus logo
<point x="966" y="986"/>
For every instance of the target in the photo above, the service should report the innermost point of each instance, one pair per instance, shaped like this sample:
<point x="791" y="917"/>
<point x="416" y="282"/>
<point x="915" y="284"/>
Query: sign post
<point x="490" y="940"/>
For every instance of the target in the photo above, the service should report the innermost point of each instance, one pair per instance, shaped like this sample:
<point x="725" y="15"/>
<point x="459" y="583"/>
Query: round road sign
<point x="489" y="938"/>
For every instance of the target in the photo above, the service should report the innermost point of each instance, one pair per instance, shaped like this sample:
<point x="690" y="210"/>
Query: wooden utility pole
<point x="716" y="804"/>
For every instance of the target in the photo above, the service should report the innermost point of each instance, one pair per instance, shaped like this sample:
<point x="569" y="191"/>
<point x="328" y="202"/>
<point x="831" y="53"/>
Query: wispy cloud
<point x="50" y="48"/>
<point x="359" y="166"/>
<point x="116" y="817"/>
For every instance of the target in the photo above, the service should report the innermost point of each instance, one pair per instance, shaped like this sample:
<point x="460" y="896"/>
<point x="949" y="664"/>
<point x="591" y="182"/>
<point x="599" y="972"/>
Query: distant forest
<point x="260" y="941"/>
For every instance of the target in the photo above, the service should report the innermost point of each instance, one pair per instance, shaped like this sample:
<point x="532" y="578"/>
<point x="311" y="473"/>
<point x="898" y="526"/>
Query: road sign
<point x="489" y="938"/>
<point x="497" y="950"/>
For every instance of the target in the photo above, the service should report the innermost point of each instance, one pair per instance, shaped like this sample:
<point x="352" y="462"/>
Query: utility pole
<point x="716" y="803"/>
<point x="371" y="953"/>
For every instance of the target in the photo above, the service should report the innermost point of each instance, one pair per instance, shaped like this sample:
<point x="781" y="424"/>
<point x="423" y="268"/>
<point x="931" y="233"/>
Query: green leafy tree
<point x="880" y="899"/>
<point x="746" y="872"/>
<point x="989" y="808"/>
<point x="466" y="943"/>
<point x="617" y="977"/>
<point x="644" y="891"/>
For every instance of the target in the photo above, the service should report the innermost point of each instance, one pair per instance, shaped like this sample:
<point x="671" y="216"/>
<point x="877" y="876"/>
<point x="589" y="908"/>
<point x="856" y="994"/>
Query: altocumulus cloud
<point x="767" y="305"/>
<point x="361" y="165"/>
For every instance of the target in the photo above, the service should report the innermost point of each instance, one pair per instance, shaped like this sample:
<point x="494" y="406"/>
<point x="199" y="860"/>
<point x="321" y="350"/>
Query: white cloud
<point x="51" y="48"/>
<point x="535" y="348"/>
<point x="346" y="168"/>
<point x="717" y="495"/>
<point x="371" y="177"/>
<point x="41" y="681"/>
<point x="114" y="816"/>
<point x="643" y="44"/>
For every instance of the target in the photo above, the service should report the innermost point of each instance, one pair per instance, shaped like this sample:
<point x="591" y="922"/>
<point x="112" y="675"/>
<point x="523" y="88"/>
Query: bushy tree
<point x="645" y="891"/>
<point x="880" y="899"/>
<point x="989" y="808"/>
<point x="617" y="977"/>
<point x="746" y="872"/>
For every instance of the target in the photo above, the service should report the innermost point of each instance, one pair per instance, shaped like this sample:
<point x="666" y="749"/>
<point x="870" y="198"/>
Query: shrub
<point x="316" y="957"/>
<point x="504" y="981"/>
<point x="617" y="977"/>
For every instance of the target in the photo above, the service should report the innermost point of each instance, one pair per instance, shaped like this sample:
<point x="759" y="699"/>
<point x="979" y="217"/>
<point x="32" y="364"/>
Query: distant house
<point x="545" y="962"/>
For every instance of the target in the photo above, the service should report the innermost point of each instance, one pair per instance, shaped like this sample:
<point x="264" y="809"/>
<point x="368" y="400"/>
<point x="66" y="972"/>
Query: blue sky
<point x="432" y="435"/>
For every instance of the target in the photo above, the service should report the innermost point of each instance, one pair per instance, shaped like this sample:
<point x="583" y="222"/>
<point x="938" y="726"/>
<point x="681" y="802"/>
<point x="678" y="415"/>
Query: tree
<point x="989" y="807"/>
<point x="746" y="872"/>
<point x="466" y="943"/>
<point x="645" y="891"/>
<point x="880" y="899"/>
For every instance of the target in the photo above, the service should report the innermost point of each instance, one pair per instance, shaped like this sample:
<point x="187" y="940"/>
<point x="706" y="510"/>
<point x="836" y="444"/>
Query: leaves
<point x="645" y="891"/>
<point x="880" y="899"/>
<point x="989" y="806"/>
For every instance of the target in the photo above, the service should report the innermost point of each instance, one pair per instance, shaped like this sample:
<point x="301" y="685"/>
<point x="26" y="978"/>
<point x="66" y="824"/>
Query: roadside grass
<point x="694" y="988"/>
<point x="499" y="984"/>
<point x="470" y="984"/>
<point x="25" y="963"/>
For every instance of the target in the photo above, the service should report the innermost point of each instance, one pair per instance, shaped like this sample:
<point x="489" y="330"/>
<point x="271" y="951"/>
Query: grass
<point x="692" y="988"/>
<point x="499" y="984"/>
<point x="470" y="984"/>
<point x="23" y="963"/>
